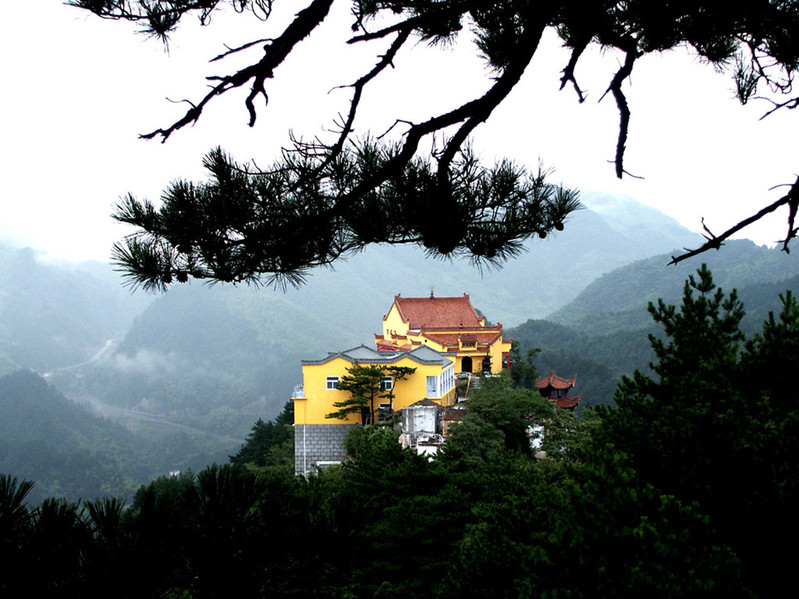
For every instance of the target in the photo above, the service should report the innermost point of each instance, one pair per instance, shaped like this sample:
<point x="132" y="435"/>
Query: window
<point x="386" y="383"/>
<point x="448" y="379"/>
<point x="432" y="386"/>
<point x="332" y="382"/>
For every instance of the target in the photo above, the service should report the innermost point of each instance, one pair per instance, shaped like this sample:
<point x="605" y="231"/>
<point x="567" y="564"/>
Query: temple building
<point x="449" y="325"/>
<point x="556" y="389"/>
<point x="319" y="439"/>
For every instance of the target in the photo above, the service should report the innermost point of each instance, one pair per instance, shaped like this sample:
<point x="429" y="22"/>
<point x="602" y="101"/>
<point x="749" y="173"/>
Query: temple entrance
<point x="466" y="364"/>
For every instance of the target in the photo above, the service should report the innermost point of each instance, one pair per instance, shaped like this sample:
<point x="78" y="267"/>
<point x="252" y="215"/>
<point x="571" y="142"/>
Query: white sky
<point x="77" y="91"/>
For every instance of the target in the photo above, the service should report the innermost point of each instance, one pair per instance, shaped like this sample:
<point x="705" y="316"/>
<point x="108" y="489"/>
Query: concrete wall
<point x="318" y="445"/>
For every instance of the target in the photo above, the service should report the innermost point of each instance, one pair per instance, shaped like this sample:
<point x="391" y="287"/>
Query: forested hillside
<point x="618" y="298"/>
<point x="69" y="452"/>
<point x="72" y="453"/>
<point x="55" y="315"/>
<point x="645" y="500"/>
<point x="603" y="333"/>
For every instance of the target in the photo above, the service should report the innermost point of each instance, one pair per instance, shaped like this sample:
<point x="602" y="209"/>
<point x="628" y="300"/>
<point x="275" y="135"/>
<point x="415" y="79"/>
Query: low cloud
<point x="145" y="361"/>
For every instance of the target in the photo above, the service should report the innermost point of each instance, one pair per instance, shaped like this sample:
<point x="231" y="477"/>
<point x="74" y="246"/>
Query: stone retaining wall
<point x="318" y="445"/>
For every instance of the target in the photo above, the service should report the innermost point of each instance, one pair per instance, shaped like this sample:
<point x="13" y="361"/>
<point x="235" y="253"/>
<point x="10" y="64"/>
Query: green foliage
<point x="523" y="372"/>
<point x="362" y="383"/>
<point x="333" y="196"/>
<point x="497" y="420"/>
<point x="695" y="408"/>
<point x="706" y="431"/>
<point x="312" y="213"/>
<point x="269" y="444"/>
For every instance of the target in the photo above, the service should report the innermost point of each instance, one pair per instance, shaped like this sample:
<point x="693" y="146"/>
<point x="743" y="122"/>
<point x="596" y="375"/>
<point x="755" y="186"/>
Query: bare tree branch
<point x="240" y="48"/>
<point x="568" y="70"/>
<point x="624" y="109"/>
<point x="358" y="87"/>
<point x="714" y="242"/>
<point x="789" y="104"/>
<point x="408" y="25"/>
<point x="275" y="53"/>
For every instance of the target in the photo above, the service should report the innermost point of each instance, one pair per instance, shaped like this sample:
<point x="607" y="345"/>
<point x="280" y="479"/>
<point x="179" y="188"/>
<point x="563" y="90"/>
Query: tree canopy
<point x="714" y="426"/>
<point x="686" y="489"/>
<point x="420" y="183"/>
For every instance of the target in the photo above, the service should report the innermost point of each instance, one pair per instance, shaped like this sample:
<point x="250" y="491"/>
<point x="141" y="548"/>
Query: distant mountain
<point x="597" y="360"/>
<point x="55" y="315"/>
<point x="617" y="300"/>
<point x="607" y="325"/>
<point x="216" y="357"/>
<point x="48" y="439"/>
<point x="644" y="228"/>
<point x="70" y="452"/>
<point x="205" y="361"/>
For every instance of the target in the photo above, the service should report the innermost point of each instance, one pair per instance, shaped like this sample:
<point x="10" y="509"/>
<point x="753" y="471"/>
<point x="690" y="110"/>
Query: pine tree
<point x="363" y="383"/>
<point x="269" y="444"/>
<point x="420" y="183"/>
<point x="717" y="425"/>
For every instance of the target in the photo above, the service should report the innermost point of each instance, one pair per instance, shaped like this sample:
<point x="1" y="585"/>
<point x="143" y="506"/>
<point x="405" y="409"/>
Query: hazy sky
<point x="77" y="92"/>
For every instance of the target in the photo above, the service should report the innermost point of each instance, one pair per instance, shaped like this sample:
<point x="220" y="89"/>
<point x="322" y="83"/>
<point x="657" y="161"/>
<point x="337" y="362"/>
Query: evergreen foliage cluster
<point x="269" y="444"/>
<point x="686" y="489"/>
<point x="420" y="183"/>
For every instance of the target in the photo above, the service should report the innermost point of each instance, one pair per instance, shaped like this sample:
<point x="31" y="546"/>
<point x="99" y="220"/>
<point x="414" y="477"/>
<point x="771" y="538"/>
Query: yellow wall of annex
<point x="318" y="400"/>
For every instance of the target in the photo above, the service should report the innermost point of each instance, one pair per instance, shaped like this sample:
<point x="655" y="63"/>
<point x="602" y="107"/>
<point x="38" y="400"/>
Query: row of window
<point x="386" y="383"/>
<point x="437" y="386"/>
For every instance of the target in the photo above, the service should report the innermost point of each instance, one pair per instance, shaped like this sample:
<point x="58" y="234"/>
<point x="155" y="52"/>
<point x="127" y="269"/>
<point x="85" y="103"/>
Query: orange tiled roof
<point x="555" y="381"/>
<point x="452" y="338"/>
<point x="568" y="402"/>
<point x="453" y="413"/>
<point x="389" y="345"/>
<point x="434" y="311"/>
<point x="383" y="344"/>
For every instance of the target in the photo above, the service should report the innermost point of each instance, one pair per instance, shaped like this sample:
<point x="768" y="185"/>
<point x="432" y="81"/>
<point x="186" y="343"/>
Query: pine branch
<point x="714" y="242"/>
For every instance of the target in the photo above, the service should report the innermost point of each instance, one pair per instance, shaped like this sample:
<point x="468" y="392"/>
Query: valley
<point x="186" y="373"/>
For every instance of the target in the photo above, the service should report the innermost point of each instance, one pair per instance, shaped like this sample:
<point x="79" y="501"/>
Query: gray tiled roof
<point x="364" y="354"/>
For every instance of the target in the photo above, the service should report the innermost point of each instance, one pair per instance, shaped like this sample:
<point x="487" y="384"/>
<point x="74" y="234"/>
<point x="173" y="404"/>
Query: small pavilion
<point x="556" y="390"/>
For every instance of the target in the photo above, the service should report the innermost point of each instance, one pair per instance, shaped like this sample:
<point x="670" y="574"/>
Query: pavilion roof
<point x="568" y="402"/>
<point x="555" y="381"/>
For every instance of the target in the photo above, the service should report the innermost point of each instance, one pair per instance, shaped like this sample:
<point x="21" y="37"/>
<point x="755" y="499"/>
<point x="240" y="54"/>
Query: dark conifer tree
<point x="710" y="427"/>
<point x="326" y="198"/>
